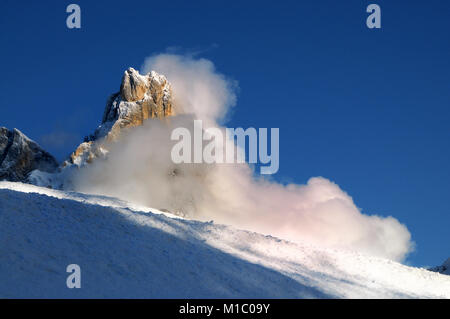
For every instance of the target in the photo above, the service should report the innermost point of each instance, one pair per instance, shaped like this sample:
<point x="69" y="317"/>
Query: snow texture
<point x="127" y="251"/>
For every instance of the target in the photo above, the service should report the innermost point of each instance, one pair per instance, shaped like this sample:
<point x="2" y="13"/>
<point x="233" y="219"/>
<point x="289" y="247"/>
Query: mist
<point x="139" y="169"/>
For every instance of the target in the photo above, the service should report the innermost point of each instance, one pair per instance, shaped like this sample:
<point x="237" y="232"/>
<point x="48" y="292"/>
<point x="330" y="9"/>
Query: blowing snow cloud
<point x="139" y="169"/>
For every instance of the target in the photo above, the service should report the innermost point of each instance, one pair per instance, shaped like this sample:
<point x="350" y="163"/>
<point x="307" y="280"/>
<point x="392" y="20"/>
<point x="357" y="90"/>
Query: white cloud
<point x="197" y="87"/>
<point x="139" y="169"/>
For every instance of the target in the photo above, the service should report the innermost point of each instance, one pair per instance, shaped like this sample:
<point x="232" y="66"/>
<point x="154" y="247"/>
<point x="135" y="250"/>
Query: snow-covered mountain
<point x="141" y="97"/>
<point x="129" y="251"/>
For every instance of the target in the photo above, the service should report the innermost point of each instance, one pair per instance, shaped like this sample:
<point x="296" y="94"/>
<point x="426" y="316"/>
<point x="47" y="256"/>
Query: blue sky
<point x="368" y="109"/>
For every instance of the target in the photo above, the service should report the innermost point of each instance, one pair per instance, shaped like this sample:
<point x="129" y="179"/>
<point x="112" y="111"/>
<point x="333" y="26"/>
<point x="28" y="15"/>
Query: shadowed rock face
<point x="19" y="156"/>
<point x="443" y="269"/>
<point x="140" y="97"/>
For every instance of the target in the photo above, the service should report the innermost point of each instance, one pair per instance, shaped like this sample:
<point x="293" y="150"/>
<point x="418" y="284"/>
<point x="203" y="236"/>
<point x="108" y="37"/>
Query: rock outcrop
<point x="19" y="156"/>
<point x="443" y="269"/>
<point x="140" y="97"/>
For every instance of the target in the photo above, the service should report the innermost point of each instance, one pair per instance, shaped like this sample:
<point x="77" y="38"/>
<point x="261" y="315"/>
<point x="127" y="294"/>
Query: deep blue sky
<point x="368" y="109"/>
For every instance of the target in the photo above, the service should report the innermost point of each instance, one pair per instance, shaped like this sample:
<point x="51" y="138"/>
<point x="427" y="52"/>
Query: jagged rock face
<point x="141" y="97"/>
<point x="134" y="86"/>
<point x="19" y="156"/>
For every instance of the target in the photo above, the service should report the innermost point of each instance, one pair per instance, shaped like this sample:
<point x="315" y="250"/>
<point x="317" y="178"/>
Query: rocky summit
<point x="140" y="97"/>
<point x="19" y="156"/>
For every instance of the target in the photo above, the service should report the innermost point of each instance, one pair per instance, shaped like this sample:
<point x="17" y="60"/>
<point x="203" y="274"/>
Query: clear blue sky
<point x="368" y="109"/>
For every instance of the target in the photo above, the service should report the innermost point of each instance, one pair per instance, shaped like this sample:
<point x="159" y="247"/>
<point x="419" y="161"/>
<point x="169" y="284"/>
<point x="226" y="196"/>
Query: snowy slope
<point x="129" y="251"/>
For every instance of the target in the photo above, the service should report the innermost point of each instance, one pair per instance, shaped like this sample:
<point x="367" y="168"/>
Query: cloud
<point x="139" y="169"/>
<point x="197" y="87"/>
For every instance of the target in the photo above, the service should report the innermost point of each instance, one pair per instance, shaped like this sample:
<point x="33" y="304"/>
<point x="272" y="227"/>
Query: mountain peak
<point x="140" y="97"/>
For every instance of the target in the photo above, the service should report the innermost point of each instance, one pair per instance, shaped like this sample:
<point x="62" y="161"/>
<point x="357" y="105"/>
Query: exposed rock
<point x="141" y="97"/>
<point x="19" y="156"/>
<point x="443" y="269"/>
<point x="134" y="86"/>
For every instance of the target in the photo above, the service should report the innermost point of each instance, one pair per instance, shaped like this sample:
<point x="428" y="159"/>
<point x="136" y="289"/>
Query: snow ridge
<point x="127" y="251"/>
